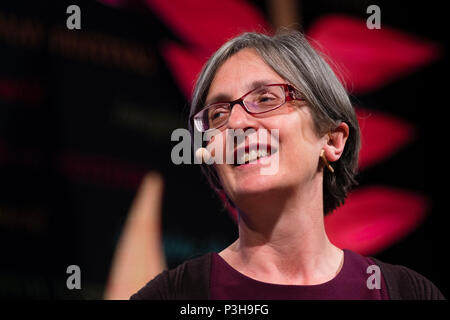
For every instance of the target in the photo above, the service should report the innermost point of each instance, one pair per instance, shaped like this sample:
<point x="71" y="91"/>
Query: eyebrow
<point x="223" y="97"/>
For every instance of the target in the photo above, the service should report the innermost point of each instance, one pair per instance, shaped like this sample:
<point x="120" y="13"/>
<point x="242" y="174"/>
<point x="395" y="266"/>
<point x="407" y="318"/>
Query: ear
<point x="335" y="143"/>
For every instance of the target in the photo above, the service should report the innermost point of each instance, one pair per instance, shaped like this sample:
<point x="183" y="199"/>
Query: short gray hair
<point x="291" y="56"/>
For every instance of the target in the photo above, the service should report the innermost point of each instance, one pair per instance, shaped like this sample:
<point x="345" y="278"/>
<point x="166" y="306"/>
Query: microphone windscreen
<point x="202" y="155"/>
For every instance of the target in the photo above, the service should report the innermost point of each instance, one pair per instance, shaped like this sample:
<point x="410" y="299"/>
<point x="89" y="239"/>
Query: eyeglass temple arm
<point x="291" y="93"/>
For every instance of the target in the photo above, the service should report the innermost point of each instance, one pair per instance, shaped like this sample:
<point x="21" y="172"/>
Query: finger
<point x="139" y="255"/>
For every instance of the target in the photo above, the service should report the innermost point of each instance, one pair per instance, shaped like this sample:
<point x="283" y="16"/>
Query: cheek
<point x="298" y="156"/>
<point x="219" y="168"/>
<point x="298" y="146"/>
<point x="224" y="174"/>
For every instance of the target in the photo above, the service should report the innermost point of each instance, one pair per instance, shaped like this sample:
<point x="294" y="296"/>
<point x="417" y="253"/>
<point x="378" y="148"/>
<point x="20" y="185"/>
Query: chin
<point x="255" y="186"/>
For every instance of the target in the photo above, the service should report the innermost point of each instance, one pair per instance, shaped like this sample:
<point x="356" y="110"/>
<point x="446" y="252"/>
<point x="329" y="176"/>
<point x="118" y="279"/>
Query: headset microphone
<point x="202" y="155"/>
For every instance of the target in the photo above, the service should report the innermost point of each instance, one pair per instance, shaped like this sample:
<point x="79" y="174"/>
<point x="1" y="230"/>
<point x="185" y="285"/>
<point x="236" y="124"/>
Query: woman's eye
<point x="266" y="98"/>
<point x="216" y="115"/>
<point x="219" y="113"/>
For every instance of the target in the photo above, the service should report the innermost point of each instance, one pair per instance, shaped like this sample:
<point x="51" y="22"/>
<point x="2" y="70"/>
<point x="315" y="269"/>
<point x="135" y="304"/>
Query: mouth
<point x="252" y="154"/>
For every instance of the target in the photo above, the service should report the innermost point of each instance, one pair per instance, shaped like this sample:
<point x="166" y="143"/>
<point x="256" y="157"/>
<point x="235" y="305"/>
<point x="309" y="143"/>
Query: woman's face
<point x="298" y="145"/>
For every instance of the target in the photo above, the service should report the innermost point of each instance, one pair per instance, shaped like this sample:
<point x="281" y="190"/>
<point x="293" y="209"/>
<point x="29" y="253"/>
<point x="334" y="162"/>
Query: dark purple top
<point x="350" y="284"/>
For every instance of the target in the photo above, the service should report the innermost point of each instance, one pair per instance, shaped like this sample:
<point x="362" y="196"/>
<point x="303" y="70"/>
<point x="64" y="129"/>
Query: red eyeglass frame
<point x="289" y="91"/>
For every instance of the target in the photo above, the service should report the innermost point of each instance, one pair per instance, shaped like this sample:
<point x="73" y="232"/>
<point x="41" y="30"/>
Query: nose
<point x="240" y="118"/>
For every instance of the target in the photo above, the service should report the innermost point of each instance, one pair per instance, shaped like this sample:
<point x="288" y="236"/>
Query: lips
<point x="252" y="153"/>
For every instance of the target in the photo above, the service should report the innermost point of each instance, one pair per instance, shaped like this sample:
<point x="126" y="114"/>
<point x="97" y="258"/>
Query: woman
<point x="280" y="84"/>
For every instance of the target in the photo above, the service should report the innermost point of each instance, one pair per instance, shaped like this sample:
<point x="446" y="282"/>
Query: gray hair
<point x="290" y="55"/>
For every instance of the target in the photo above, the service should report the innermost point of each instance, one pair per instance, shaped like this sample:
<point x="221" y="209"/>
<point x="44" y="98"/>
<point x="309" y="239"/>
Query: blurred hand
<point x="139" y="255"/>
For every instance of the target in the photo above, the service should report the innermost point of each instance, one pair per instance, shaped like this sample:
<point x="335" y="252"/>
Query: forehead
<point x="238" y="74"/>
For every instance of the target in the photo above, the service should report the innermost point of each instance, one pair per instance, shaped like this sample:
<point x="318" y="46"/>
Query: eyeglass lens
<point x="260" y="100"/>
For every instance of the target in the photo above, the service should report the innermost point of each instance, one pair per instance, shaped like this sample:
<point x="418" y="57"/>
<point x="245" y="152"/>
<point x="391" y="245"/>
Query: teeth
<point x="262" y="153"/>
<point x="252" y="156"/>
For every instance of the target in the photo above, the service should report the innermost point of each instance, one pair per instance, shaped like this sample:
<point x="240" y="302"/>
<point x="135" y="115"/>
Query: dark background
<point x="78" y="132"/>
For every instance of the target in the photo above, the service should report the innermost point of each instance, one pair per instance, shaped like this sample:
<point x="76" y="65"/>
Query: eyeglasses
<point x="260" y="100"/>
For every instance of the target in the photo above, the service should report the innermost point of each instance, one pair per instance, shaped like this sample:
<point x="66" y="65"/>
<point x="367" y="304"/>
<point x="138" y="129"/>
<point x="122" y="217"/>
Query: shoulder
<point x="189" y="280"/>
<point x="406" y="284"/>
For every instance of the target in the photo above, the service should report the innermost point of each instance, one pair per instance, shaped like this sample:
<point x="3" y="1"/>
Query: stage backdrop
<point x="86" y="114"/>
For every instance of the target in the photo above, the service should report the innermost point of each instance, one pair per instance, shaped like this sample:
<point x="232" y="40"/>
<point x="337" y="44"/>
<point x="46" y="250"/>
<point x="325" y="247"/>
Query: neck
<point x="283" y="238"/>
